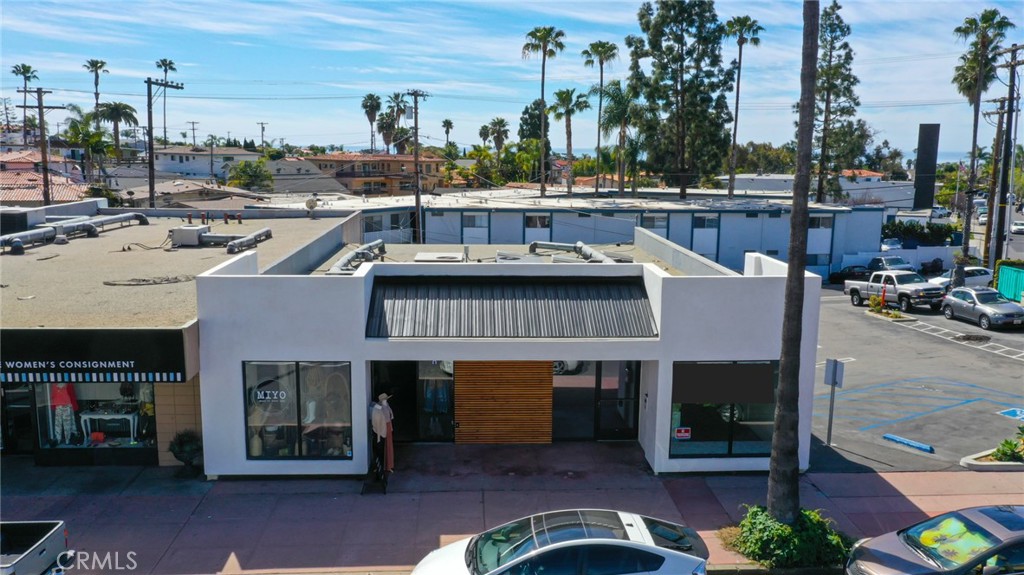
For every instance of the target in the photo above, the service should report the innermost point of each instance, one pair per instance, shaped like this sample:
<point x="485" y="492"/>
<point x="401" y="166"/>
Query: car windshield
<point x="506" y="543"/>
<point x="909" y="279"/>
<point x="895" y="261"/>
<point x="949" y="540"/>
<point x="991" y="297"/>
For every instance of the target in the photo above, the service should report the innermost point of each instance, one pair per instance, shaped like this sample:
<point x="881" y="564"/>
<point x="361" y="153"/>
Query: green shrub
<point x="875" y="303"/>
<point x="1011" y="449"/>
<point x="810" y="542"/>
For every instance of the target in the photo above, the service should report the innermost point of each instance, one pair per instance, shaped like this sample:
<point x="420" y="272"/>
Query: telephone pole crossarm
<point x="149" y="131"/>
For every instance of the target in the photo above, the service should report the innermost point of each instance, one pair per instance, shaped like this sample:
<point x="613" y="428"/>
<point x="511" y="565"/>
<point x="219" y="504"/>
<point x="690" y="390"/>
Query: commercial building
<point x="276" y="349"/>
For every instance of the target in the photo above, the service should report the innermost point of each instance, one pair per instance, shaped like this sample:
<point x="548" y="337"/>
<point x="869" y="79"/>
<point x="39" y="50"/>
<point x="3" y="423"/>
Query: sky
<point x="302" y="67"/>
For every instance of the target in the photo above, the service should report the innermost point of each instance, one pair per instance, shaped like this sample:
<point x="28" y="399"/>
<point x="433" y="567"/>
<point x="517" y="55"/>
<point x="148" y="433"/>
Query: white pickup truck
<point x="33" y="548"/>
<point x="904" y="288"/>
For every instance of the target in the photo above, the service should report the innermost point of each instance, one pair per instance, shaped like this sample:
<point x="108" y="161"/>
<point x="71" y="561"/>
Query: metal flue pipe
<point x="249" y="241"/>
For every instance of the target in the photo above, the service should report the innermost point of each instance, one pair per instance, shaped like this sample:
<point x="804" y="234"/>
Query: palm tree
<point x="547" y="41"/>
<point x="601" y="53"/>
<point x="371" y="105"/>
<point x="972" y="78"/>
<point x="27" y="74"/>
<point x="485" y="133"/>
<point x="118" y="113"/>
<point x="448" y="126"/>
<point x="95" y="67"/>
<point x="398" y="104"/>
<point x="745" y="29"/>
<point x="386" y="125"/>
<point x="498" y="129"/>
<point x="619" y="114"/>
<point x="167" y="66"/>
<point x="81" y="134"/>
<point x="784" y="468"/>
<point x="567" y="103"/>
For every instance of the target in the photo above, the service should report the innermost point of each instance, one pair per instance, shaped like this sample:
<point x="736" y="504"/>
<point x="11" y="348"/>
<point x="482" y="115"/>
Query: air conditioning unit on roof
<point x="188" y="235"/>
<point x="513" y="258"/>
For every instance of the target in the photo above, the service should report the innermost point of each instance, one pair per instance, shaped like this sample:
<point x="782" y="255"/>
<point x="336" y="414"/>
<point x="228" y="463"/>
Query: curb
<point x="753" y="569"/>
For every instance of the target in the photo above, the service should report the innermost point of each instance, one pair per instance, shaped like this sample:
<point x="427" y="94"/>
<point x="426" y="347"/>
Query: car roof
<point x="977" y="290"/>
<point x="1003" y="521"/>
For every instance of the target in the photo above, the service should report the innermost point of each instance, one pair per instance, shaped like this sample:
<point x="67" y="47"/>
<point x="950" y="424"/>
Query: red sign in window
<point x="682" y="433"/>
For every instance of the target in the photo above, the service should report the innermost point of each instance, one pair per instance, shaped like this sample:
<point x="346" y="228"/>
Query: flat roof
<point x="556" y="199"/>
<point x="129" y="276"/>
<point x="489" y="253"/>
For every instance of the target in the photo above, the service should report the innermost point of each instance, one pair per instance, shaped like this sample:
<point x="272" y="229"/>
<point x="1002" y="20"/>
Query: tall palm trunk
<point x="543" y="123"/>
<point x="24" y="112"/>
<point x="568" y="150"/>
<point x="165" y="107"/>
<point x="735" y="125"/>
<point x="784" y="472"/>
<point x="622" y="160"/>
<point x="600" y="107"/>
<point x="96" y="93"/>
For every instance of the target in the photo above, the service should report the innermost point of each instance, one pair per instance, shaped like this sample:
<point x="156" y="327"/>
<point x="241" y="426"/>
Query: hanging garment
<point x="63" y="423"/>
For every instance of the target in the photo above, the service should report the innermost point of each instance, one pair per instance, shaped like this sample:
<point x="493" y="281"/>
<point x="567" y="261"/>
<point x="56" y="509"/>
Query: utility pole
<point x="193" y="124"/>
<point x="149" y="131"/>
<point x="1002" y="213"/>
<point x="263" y="140"/>
<point x="43" y="142"/>
<point x="418" y="221"/>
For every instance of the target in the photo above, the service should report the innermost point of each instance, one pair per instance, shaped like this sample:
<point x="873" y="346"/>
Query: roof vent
<point x="60" y="239"/>
<point x="439" y="257"/>
<point x="188" y="235"/>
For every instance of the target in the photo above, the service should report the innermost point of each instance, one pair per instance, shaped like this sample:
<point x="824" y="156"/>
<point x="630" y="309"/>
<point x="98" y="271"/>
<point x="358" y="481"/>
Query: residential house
<point x="200" y="161"/>
<point x="375" y="174"/>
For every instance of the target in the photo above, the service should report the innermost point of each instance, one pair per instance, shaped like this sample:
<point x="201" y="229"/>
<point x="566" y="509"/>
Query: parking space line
<point x="990" y="347"/>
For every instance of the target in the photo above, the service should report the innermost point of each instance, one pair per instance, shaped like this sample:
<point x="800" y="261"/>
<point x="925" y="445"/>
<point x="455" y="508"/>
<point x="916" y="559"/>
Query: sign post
<point x="833" y="379"/>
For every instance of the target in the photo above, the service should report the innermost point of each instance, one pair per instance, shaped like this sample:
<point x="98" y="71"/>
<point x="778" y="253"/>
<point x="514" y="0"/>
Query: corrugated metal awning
<point x="510" y="307"/>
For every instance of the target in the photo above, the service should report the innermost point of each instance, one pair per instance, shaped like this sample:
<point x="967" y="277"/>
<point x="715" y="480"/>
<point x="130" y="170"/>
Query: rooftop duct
<point x="362" y="253"/>
<point x="249" y="241"/>
<point x="17" y="241"/>
<point x="585" y="251"/>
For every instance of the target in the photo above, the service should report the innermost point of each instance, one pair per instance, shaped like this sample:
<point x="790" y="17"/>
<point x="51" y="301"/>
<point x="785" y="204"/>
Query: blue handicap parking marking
<point x="893" y="402"/>
<point x="1015" y="413"/>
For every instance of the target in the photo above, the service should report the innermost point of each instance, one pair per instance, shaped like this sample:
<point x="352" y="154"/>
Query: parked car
<point x="558" y="367"/>
<point x="940" y="212"/>
<point x="901" y="287"/>
<point x="982" y="305"/>
<point x="849" y="273"/>
<point x="573" y="541"/>
<point x="891" y="244"/>
<point x="889" y="263"/>
<point x="974" y="276"/>
<point x="983" y="218"/>
<point x="1017" y="227"/>
<point x="977" y="540"/>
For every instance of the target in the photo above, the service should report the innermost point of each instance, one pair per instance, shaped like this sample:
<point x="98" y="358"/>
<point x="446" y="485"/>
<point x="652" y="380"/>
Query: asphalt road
<point x="914" y="380"/>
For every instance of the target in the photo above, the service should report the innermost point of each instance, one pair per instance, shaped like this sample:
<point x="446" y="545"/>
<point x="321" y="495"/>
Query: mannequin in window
<point x="64" y="403"/>
<point x="383" y="443"/>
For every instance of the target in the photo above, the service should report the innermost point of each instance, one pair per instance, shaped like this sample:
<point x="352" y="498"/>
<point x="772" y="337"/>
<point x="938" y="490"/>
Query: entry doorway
<point x="596" y="400"/>
<point x="422" y="398"/>
<point x="18" y="432"/>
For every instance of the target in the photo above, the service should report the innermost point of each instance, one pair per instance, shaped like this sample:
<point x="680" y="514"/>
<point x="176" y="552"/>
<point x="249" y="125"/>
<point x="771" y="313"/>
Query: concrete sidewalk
<point x="325" y="525"/>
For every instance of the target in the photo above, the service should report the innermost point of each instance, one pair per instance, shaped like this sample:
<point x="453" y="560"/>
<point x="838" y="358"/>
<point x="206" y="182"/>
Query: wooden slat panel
<point x="503" y="401"/>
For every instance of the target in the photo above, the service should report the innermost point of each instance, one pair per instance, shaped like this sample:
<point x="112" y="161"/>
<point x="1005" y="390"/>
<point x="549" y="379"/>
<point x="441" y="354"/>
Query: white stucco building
<point x="663" y="347"/>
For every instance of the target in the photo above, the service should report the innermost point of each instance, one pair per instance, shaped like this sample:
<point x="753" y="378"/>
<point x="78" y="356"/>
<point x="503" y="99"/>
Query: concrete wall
<point x="308" y="257"/>
<point x="507" y="227"/>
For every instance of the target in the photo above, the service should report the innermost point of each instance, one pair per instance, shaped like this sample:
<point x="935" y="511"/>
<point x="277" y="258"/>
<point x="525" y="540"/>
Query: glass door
<point x="617" y="402"/>
<point x="435" y="402"/>
<point x="18" y="435"/>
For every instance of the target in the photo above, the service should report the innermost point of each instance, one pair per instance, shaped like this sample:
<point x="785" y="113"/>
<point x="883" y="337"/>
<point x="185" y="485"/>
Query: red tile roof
<point x="59" y="194"/>
<point x="356" y="157"/>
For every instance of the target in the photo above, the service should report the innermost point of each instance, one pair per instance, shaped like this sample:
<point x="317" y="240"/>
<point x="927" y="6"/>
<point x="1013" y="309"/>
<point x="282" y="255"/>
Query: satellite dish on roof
<point x="311" y="203"/>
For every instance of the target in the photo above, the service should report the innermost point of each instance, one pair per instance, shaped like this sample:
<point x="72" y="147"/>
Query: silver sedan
<point x="984" y="306"/>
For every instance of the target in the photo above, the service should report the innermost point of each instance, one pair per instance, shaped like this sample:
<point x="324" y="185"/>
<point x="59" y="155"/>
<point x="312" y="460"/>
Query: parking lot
<point x="922" y="381"/>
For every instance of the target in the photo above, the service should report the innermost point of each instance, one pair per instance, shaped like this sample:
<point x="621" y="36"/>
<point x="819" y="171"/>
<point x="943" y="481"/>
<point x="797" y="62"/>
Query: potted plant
<point x="187" y="447"/>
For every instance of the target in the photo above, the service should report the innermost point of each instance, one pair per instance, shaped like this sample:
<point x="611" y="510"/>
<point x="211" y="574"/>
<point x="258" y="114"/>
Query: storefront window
<point x="298" y="410"/>
<point x="101" y="412"/>
<point x="723" y="409"/>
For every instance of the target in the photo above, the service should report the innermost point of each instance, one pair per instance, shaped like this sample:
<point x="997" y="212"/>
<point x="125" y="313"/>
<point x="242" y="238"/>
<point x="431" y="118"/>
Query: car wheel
<point x="905" y="304"/>
<point x="984" y="322"/>
<point x="935" y="306"/>
<point x="855" y="299"/>
<point x="948" y="312"/>
<point x="558" y="367"/>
